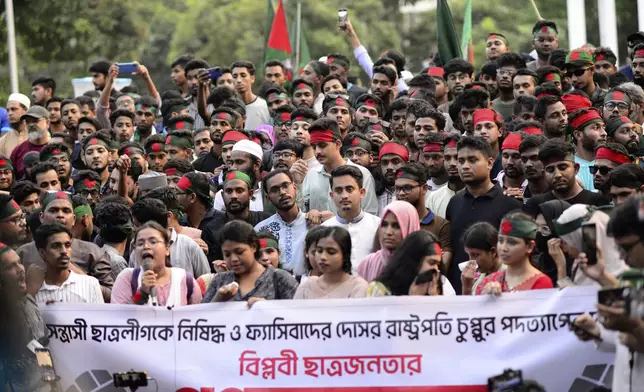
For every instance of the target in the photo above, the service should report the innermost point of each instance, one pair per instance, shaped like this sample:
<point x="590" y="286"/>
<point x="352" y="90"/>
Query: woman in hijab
<point x="569" y="229"/>
<point x="398" y="220"/>
<point x="552" y="260"/>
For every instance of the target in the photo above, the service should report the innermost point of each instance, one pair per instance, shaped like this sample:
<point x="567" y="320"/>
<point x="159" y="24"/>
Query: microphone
<point x="146" y="266"/>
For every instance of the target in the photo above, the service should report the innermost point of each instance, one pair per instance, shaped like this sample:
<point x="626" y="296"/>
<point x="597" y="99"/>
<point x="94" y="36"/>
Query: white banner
<point x="394" y="344"/>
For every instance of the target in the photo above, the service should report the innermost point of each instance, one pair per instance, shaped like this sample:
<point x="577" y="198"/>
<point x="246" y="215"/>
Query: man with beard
<point x="84" y="224"/>
<point x="396" y="117"/>
<point x="282" y="122"/>
<point x="37" y="121"/>
<point x="288" y="224"/>
<point x="42" y="90"/>
<point x="483" y="201"/>
<point x="383" y="84"/>
<point x="550" y="74"/>
<point x="488" y="125"/>
<point x="427" y="121"/>
<point x="623" y="131"/>
<point x="607" y="158"/>
<point x="88" y="184"/>
<point x="617" y="103"/>
<point x="99" y="71"/>
<point x="637" y="64"/>
<point x="45" y="175"/>
<point x="532" y="167"/>
<point x="124" y="180"/>
<point x="285" y="153"/>
<point x="302" y="94"/>
<point x="192" y="70"/>
<point x="392" y="156"/>
<point x="441" y="90"/>
<point x="84" y="259"/>
<point x="432" y="158"/>
<point x="194" y="196"/>
<point x="155" y="153"/>
<point x="339" y="66"/>
<point x="579" y="66"/>
<point x="13" y="225"/>
<point x="7" y="175"/>
<point x="275" y="72"/>
<point x="508" y="64"/>
<point x="558" y="158"/>
<point x="97" y="154"/>
<point x="511" y="178"/>
<point x="56" y="121"/>
<point x="367" y="106"/>
<point x="237" y="194"/>
<point x="458" y="74"/>
<point x="625" y="182"/>
<point x="495" y="45"/>
<point x="256" y="108"/>
<point x="552" y="114"/>
<point x="357" y="148"/>
<point x="134" y="152"/>
<point x="487" y="76"/>
<point x="589" y="130"/>
<point x="123" y="125"/>
<point x="338" y="107"/>
<point x="27" y="195"/>
<point x="469" y="102"/>
<point x="59" y="155"/>
<point x="145" y="117"/>
<point x="524" y="83"/>
<point x="301" y="120"/>
<point x="438" y="200"/>
<point x="605" y="61"/>
<point x="17" y="106"/>
<point x="246" y="156"/>
<point x="544" y="41"/>
<point x="221" y="121"/>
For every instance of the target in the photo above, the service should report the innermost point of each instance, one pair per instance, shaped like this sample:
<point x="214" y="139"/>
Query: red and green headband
<point x="544" y="29"/>
<point x="268" y="243"/>
<point x="6" y="164"/>
<point x="499" y="37"/>
<point x="86" y="184"/>
<point x="180" y="142"/>
<point x="155" y="147"/>
<point x="132" y="150"/>
<point x="181" y="125"/>
<point x="233" y="137"/>
<point x="238" y="175"/>
<point x="82" y="210"/>
<point x="302" y="118"/>
<point x="339" y="101"/>
<point x="302" y="86"/>
<point x="48" y="197"/>
<point x="614" y="123"/>
<point x="606" y="153"/>
<point x="394" y="148"/>
<point x="519" y="228"/>
<point x="552" y="76"/>
<point x="356" y="142"/>
<point x="223" y="116"/>
<point x="272" y="97"/>
<point x="405" y="175"/>
<point x="604" y="56"/>
<point x="590" y="117"/>
<point x="97" y="142"/>
<point x="617" y="96"/>
<point x="10" y="208"/>
<point x="146" y="108"/>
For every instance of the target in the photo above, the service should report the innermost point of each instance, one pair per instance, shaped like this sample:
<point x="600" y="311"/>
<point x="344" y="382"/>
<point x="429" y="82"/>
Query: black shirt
<point x="210" y="232"/>
<point x="208" y="163"/>
<point x="463" y="211"/>
<point x="531" y="207"/>
<point x="497" y="166"/>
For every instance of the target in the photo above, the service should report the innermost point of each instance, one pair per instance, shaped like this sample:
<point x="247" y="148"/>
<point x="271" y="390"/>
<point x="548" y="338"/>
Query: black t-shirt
<point x="531" y="207"/>
<point x="208" y="163"/>
<point x="210" y="232"/>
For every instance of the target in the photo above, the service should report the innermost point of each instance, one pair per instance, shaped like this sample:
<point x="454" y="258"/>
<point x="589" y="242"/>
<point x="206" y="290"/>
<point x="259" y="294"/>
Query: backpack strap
<point x="135" y="279"/>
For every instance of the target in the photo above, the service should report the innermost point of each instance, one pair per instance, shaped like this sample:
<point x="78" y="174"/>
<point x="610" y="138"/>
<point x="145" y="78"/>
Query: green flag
<point x="270" y="14"/>
<point x="466" y="40"/>
<point x="448" y="45"/>
<point x="278" y="46"/>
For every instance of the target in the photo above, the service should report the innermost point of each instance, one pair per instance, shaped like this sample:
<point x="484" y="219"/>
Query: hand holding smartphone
<point x="128" y="68"/>
<point x="343" y="15"/>
<point x="589" y="242"/>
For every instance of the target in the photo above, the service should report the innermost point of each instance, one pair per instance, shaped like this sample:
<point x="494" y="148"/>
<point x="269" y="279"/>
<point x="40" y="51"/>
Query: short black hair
<point x="324" y="123"/>
<point x="101" y="66"/>
<point x="524" y="102"/>
<point x="147" y="100"/>
<point x="195" y="64"/>
<point x="471" y="98"/>
<point x="22" y="189"/>
<point x="81" y="175"/>
<point x="546" y="88"/>
<point x="183" y="166"/>
<point x="624" y="222"/>
<point x="398" y="104"/>
<point x="480" y="235"/>
<point x="475" y="143"/>
<point x="219" y="95"/>
<point x="100" y="135"/>
<point x="114" y="221"/>
<point x="202" y="185"/>
<point x="121" y="113"/>
<point x="67" y="139"/>
<point x="398" y="58"/>
<point x="458" y="65"/>
<point x="182" y="60"/>
<point x="510" y="59"/>
<point x="272" y="174"/>
<point x="147" y="209"/>
<point x="617" y="78"/>
<point x="69" y="101"/>
<point x="46" y="230"/>
<point x="244" y="64"/>
<point x="45" y="82"/>
<point x="168" y="196"/>
<point x="384" y="60"/>
<point x="627" y="175"/>
<point x="542" y="106"/>
<point x="341" y="57"/>
<point x="85" y="100"/>
<point x="347" y="170"/>
<point x="415" y="108"/>
<point x="236" y="105"/>
<point x="544" y="23"/>
<point x="424" y="82"/>
<point x="489" y="69"/>
<point x="52" y="100"/>
<point x="290" y="144"/>
<point x="333" y="77"/>
<point x="388" y="72"/>
<point x="42" y="167"/>
<point x="438" y="117"/>
<point x="547" y="70"/>
<point x="184" y="134"/>
<point x="417" y="170"/>
<point x="90" y="120"/>
<point x="79" y="200"/>
<point x="558" y="57"/>
<point x="531" y="141"/>
<point x="274" y="63"/>
<point x="555" y="149"/>
<point x="240" y="232"/>
<point x="527" y="72"/>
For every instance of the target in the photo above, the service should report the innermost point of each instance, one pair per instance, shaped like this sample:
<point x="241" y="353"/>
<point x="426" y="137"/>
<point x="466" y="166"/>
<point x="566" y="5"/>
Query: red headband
<point x="639" y="53"/>
<point x="433" y="147"/>
<point x="451" y="144"/>
<point x="605" y="153"/>
<point x="532" y="131"/>
<point x="171" y="171"/>
<point x="394" y="148"/>
<point x="233" y="136"/>
<point x="322" y="136"/>
<point x="482" y="115"/>
<point x="184" y="183"/>
<point x="511" y="142"/>
<point x="285" y="116"/>
<point x="574" y="102"/>
<point x="438" y="72"/>
<point x="156" y="147"/>
<point x="585" y="118"/>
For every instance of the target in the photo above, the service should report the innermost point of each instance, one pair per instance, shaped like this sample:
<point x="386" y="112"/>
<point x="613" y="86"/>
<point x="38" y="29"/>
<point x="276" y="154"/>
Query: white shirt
<point x="317" y="106"/>
<point x="257" y="114"/>
<point x="256" y="203"/>
<point x="501" y="175"/>
<point x="433" y="187"/>
<point x="622" y="373"/>
<point x="437" y="201"/>
<point x="290" y="237"/>
<point x="76" y="289"/>
<point x="363" y="236"/>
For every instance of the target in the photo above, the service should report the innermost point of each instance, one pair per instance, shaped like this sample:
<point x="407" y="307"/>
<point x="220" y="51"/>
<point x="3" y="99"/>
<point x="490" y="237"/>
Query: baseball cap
<point x="36" y="112"/>
<point x="21" y="98"/>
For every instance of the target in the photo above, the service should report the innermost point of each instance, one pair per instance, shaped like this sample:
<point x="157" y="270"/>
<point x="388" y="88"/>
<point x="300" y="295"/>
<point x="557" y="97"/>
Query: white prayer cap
<point x="21" y="98"/>
<point x="250" y="147"/>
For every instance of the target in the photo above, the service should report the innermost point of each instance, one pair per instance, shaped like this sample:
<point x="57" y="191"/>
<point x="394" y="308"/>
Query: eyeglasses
<point x="17" y="220"/>
<point x="405" y="189"/>
<point x="502" y="72"/>
<point x="285" y="186"/>
<point x="356" y="153"/>
<point x="283" y="154"/>
<point x="59" y="160"/>
<point x="620" y="105"/>
<point x="336" y="95"/>
<point x="578" y="72"/>
<point x="603" y="170"/>
<point x="93" y="193"/>
<point x="140" y="244"/>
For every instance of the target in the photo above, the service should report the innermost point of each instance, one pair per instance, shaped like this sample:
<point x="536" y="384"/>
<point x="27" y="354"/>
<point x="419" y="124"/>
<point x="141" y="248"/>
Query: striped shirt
<point x="76" y="289"/>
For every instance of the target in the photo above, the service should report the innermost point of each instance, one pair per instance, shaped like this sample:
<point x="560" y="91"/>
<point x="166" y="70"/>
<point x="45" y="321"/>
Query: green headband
<point x="178" y="142"/>
<point x="51" y="196"/>
<point x="519" y="228"/>
<point x="268" y="243"/>
<point x="82" y="210"/>
<point x="238" y="175"/>
<point x="5" y="164"/>
<point x="544" y="29"/>
<point x="80" y="186"/>
<point x="9" y="209"/>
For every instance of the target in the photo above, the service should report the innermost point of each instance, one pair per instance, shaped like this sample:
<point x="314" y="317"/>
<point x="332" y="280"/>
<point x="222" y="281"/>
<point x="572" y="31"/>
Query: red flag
<point x="279" y="45"/>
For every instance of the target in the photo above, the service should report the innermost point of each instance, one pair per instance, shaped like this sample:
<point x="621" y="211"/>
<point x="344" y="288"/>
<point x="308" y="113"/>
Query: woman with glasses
<point x="155" y="282"/>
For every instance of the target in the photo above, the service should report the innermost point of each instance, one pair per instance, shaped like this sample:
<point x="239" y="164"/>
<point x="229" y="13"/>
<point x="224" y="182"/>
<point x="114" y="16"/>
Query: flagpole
<point x="536" y="10"/>
<point x="11" y="44"/>
<point x="298" y="22"/>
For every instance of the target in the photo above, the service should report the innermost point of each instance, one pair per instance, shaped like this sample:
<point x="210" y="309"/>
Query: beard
<point x="588" y="143"/>
<point x="433" y="172"/>
<point x="35" y="134"/>
<point x="144" y="128"/>
<point x="638" y="80"/>
<point x="513" y="173"/>
<point x="632" y="147"/>
<point x="237" y="207"/>
<point x="98" y="170"/>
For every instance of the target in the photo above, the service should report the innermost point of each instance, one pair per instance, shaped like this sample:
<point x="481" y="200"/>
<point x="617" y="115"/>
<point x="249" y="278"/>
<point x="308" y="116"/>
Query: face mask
<point x="542" y="242"/>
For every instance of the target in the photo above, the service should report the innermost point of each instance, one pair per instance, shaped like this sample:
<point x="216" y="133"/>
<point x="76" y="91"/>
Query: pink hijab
<point x="407" y="216"/>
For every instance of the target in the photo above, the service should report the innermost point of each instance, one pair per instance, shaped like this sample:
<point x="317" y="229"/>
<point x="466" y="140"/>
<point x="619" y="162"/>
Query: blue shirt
<point x="4" y="121"/>
<point x="584" y="173"/>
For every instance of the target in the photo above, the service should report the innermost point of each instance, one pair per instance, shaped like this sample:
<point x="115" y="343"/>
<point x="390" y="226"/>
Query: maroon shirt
<point x="18" y="154"/>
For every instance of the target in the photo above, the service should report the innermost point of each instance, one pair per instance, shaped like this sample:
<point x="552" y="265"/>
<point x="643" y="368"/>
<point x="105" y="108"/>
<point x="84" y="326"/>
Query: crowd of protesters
<point x="452" y="181"/>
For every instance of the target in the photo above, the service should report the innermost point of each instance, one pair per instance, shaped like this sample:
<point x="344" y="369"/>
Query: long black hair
<point x="406" y="261"/>
<point x="342" y="237"/>
<point x="311" y="239"/>
<point x="241" y="232"/>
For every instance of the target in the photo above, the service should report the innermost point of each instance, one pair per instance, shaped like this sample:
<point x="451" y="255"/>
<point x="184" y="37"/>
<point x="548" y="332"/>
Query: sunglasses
<point x="578" y="72"/>
<point x="603" y="170"/>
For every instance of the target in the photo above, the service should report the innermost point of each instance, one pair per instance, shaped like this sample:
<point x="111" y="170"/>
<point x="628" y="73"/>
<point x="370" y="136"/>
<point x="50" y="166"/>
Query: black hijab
<point x="551" y="211"/>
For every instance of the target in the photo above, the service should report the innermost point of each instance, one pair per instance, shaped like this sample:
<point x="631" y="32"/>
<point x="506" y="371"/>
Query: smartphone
<point x="215" y="73"/>
<point x="426" y="277"/>
<point x="509" y="381"/>
<point x="46" y="365"/>
<point x="613" y="297"/>
<point x="589" y="242"/>
<point x="130" y="380"/>
<point x="343" y="14"/>
<point x="127" y="68"/>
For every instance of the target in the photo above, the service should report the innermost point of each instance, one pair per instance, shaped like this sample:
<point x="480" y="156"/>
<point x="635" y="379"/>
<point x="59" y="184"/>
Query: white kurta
<point x="363" y="236"/>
